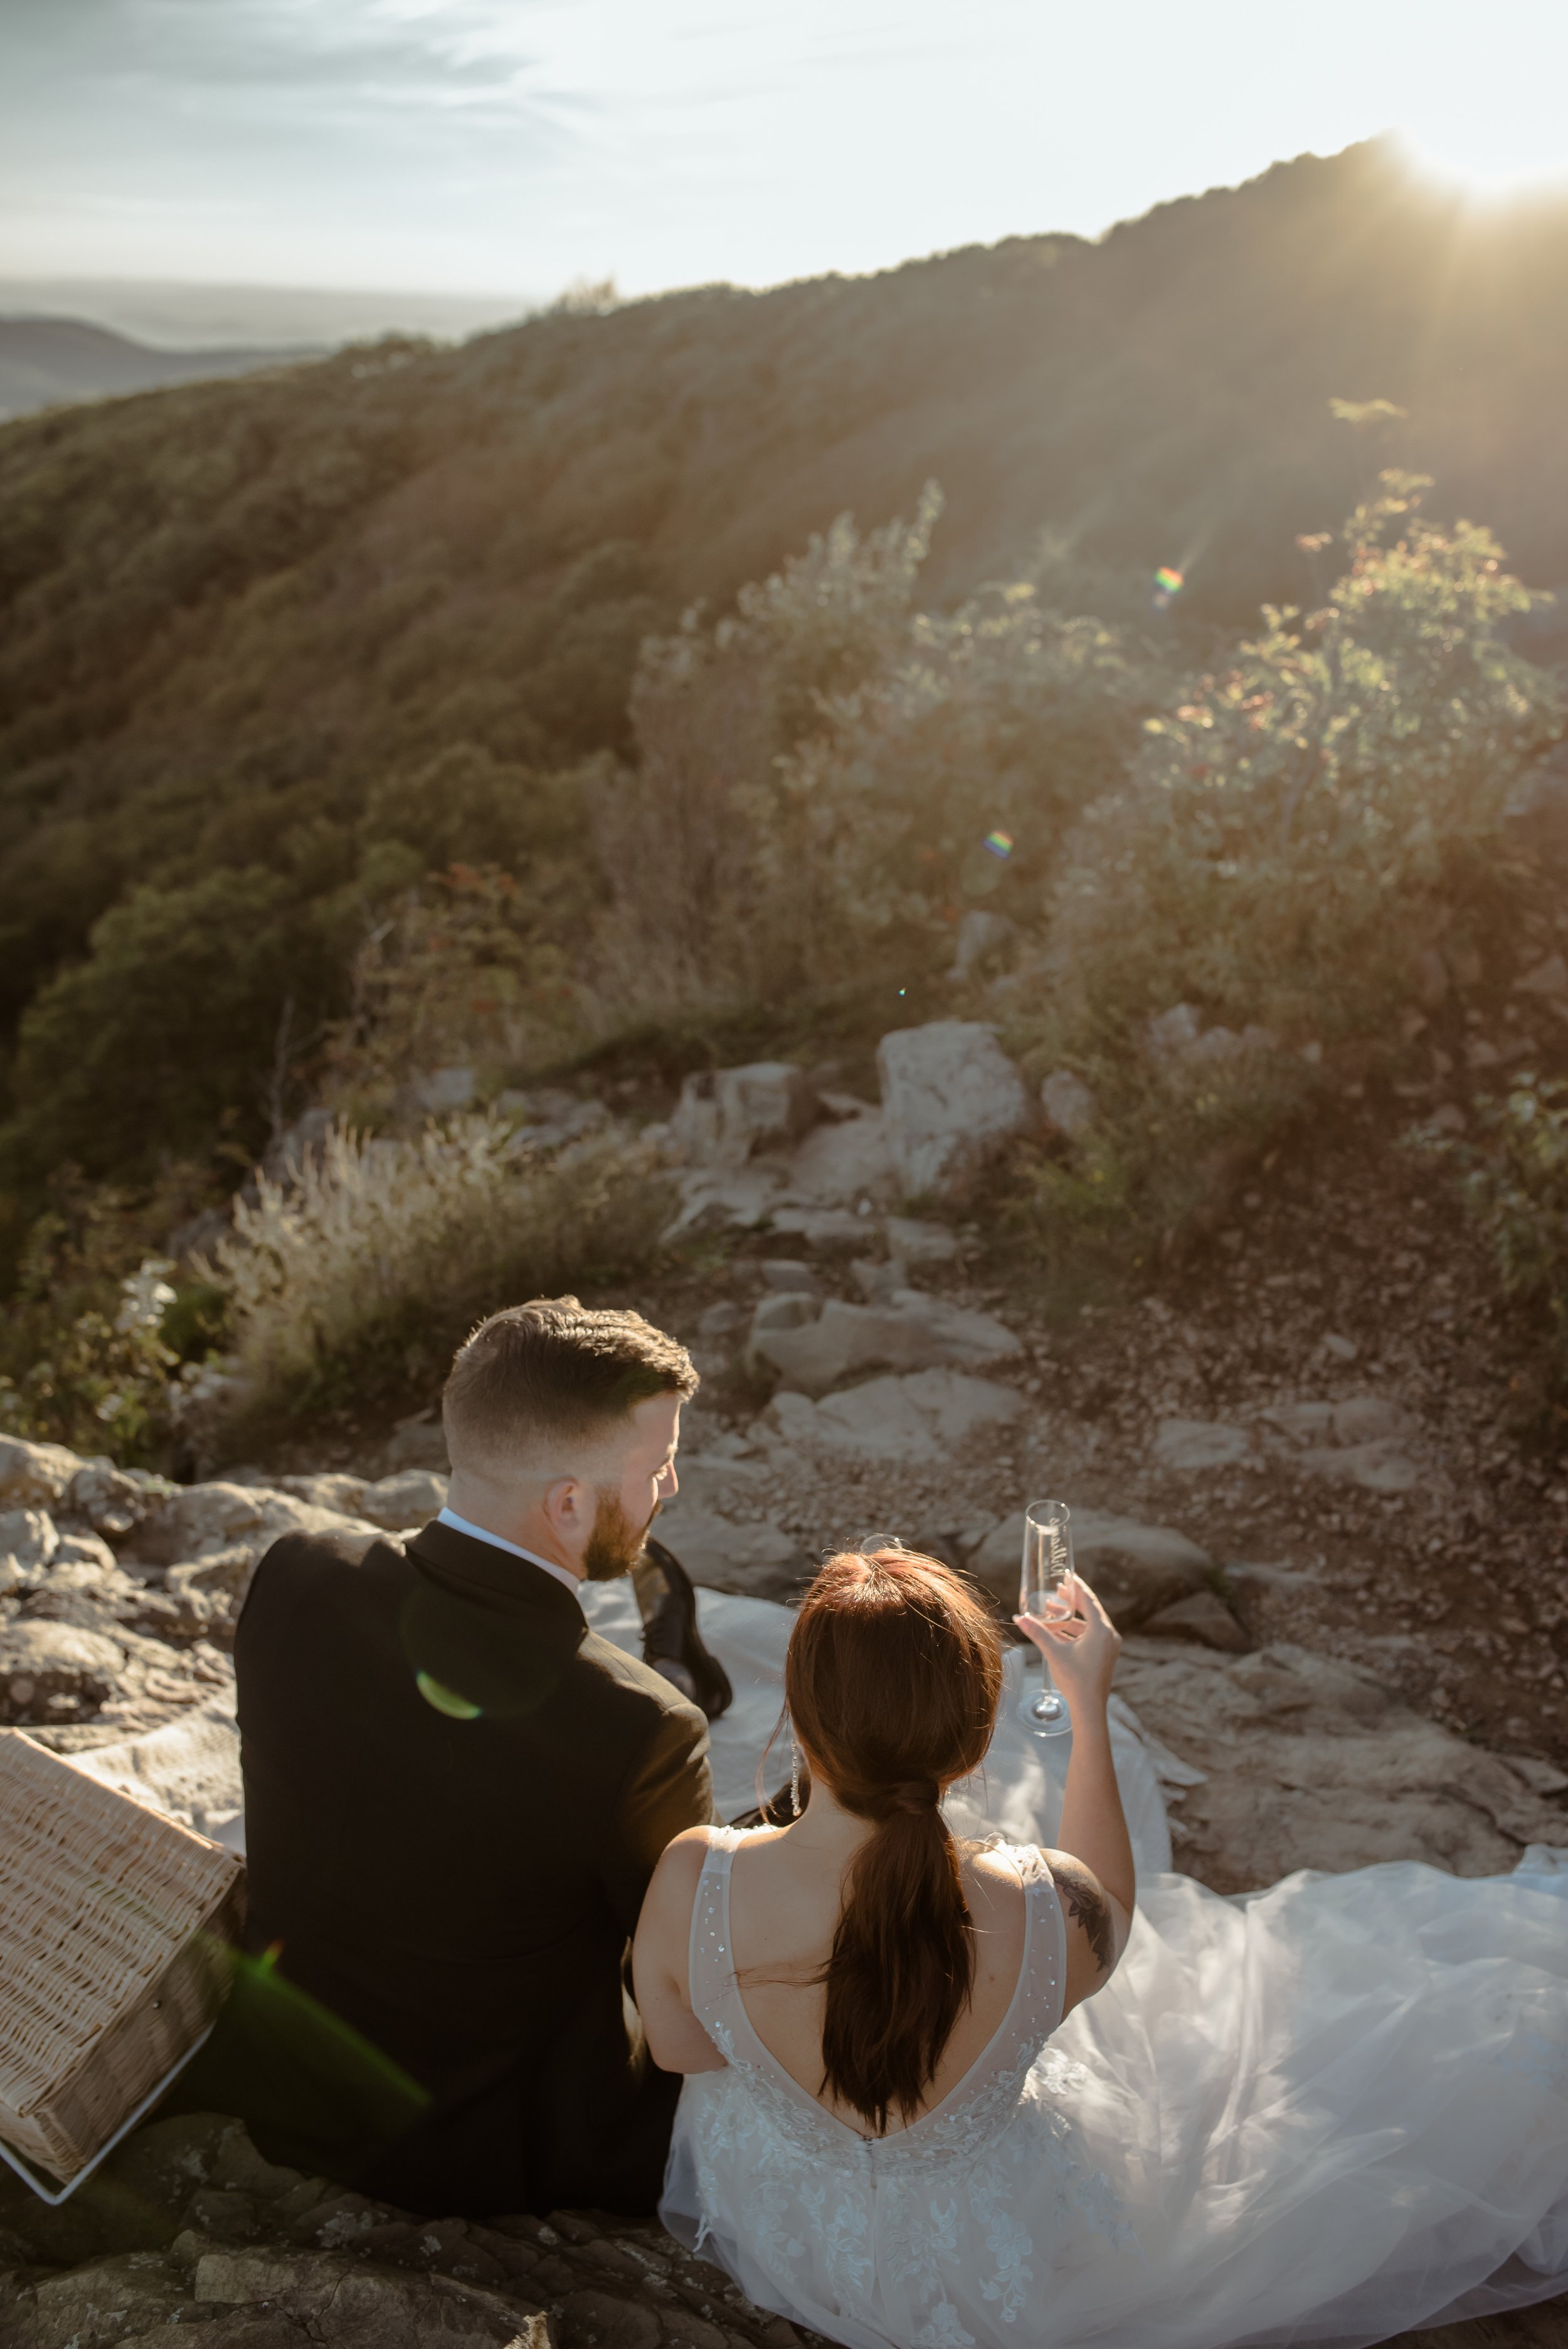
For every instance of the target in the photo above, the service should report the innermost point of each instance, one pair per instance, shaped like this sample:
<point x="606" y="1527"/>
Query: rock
<point x="1069" y="1104"/>
<point x="920" y="1243"/>
<point x="720" y="1320"/>
<point x="55" y="1672"/>
<point x="363" y="2304"/>
<point x="105" y="1499"/>
<point x="1310" y="1762"/>
<point x="210" y="1538"/>
<point x="788" y="1272"/>
<point x="721" y="1198"/>
<point x="440" y="1093"/>
<point x="1178" y="1038"/>
<point x="1376" y="1467"/>
<point x="1203" y="1617"/>
<point x="952" y="1099"/>
<point x="189" y="1770"/>
<point x="188" y="2229"/>
<point x="340" y="1492"/>
<point x="1372" y="1419"/>
<point x="758" y="1558"/>
<point x="823" y="1227"/>
<point x="1134" y="1569"/>
<point x="412" y="1497"/>
<point x="1192" y="1444"/>
<point x="981" y="934"/>
<point x="551" y="1117"/>
<point x="840" y="1164"/>
<point x="416" y="1442"/>
<point x="879" y="1283"/>
<point x="29" y="1541"/>
<point x="725" y="1114"/>
<point x="789" y="1309"/>
<point x="894" y="1418"/>
<point x="911" y="1332"/>
<point x="33" y="1475"/>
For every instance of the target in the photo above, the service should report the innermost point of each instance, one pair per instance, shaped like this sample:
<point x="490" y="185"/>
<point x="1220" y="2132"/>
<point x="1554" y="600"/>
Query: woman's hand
<point x="1081" y="1649"/>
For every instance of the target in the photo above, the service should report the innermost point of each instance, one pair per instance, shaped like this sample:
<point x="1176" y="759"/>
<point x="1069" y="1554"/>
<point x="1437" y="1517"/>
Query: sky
<point x="490" y="153"/>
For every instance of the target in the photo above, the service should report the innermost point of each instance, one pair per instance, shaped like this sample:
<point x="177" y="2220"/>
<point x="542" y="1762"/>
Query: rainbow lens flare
<point x="1000" y="844"/>
<point x="1167" y="587"/>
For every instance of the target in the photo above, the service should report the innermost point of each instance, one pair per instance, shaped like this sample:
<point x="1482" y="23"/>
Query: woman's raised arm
<point x="1093" y="1868"/>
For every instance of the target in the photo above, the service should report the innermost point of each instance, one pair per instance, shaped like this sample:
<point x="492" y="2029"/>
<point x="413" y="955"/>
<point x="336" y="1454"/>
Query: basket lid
<point x="98" y="1895"/>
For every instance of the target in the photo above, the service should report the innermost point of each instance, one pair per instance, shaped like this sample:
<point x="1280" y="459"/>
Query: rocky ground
<point x="1300" y="1471"/>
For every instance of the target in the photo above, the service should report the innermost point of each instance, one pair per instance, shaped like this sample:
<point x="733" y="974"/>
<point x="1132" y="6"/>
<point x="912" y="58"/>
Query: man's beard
<point x="615" y="1544"/>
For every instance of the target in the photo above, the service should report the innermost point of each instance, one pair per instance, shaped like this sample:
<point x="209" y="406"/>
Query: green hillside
<point x="274" y="649"/>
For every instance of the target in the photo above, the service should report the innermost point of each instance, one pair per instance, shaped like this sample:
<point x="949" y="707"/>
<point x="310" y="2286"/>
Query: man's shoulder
<point x="632" y="1688"/>
<point x="300" y="1560"/>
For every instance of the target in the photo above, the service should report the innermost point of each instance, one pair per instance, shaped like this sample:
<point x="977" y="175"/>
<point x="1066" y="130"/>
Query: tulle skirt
<point x="1326" y="2113"/>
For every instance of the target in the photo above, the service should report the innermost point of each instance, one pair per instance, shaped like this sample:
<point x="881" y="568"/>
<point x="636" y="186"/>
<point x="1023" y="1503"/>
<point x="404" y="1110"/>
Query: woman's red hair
<point x="892" y="1680"/>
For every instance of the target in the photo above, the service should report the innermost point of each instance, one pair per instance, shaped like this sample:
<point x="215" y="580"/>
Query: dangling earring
<point x="794" y="1776"/>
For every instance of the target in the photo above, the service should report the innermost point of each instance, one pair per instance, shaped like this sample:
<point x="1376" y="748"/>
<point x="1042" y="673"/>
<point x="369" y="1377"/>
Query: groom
<point x="455" y="1796"/>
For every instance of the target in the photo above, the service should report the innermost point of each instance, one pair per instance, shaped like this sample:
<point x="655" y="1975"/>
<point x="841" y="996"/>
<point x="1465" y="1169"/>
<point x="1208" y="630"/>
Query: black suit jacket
<point x="455" y="1796"/>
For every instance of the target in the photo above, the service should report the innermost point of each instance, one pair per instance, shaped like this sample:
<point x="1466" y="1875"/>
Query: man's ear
<point x="568" y="1506"/>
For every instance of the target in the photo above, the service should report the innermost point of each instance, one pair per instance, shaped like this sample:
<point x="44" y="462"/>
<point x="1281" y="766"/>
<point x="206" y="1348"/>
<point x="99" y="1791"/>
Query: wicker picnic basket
<point x="115" y="1930"/>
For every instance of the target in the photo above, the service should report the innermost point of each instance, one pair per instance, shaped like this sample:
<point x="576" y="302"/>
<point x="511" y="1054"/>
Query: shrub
<point x="1297" y="829"/>
<point x="166" y="1031"/>
<point x="819" y="774"/>
<point x="1515" y="1184"/>
<point x="362" y="1280"/>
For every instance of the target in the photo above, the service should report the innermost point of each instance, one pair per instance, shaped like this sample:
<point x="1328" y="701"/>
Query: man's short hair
<point x="538" y="1380"/>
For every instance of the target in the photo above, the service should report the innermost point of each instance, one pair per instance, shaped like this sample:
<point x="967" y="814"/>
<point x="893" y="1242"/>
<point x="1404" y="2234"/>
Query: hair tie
<point x="916" y="1795"/>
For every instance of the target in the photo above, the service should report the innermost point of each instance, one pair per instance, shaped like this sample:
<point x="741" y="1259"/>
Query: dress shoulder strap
<point x="710" y="1962"/>
<point x="1042" y="1987"/>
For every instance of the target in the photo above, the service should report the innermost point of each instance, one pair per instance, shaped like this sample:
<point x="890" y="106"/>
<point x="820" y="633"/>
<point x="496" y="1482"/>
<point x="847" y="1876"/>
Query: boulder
<point x="29" y="1541"/>
<point x="211" y="1537"/>
<point x="916" y="1242"/>
<point x="1312" y="1763"/>
<point x="1204" y="1616"/>
<point x="758" y="1558"/>
<point x="412" y="1497"/>
<point x="1192" y="1444"/>
<point x="53" y="1671"/>
<point x="1069" y="1104"/>
<point x="340" y="1492"/>
<point x="725" y="1114"/>
<point x="788" y="1273"/>
<point x="103" y="1497"/>
<point x="418" y="1441"/>
<point x="981" y="934"/>
<point x="952" y="1099"/>
<point x="911" y="1332"/>
<point x="787" y="1309"/>
<point x="33" y="1475"/>
<point x="894" y="1418"/>
<point x="188" y="1769"/>
<point x="1133" y="1569"/>
<point x="842" y="1163"/>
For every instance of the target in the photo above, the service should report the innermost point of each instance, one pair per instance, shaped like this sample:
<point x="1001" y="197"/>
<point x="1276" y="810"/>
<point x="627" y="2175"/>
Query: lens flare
<point x="1000" y="844"/>
<point x="445" y="1700"/>
<point x="1168" y="586"/>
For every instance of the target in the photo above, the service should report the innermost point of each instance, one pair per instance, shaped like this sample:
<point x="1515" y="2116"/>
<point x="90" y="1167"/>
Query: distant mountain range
<point x="55" y="362"/>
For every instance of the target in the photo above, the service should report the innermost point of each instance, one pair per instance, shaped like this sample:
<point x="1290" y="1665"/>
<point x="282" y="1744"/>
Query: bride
<point x="938" y="2095"/>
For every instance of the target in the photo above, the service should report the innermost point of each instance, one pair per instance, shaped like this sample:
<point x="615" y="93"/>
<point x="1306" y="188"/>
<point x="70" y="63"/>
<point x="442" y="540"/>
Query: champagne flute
<point x="1048" y="1563"/>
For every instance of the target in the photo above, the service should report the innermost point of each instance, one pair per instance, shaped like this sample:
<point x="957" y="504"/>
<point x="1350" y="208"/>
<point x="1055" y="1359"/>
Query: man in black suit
<point x="455" y="1796"/>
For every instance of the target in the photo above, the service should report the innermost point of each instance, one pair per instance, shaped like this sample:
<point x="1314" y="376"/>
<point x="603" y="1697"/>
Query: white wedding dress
<point x="1328" y="2112"/>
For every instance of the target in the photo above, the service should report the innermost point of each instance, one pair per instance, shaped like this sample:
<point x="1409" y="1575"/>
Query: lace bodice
<point x="950" y="2130"/>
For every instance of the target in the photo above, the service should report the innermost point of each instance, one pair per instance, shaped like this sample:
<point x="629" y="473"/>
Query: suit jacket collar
<point x="493" y="1577"/>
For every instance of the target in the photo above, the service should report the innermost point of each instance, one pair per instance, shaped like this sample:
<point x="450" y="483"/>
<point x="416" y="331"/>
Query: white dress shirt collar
<point x="498" y="1541"/>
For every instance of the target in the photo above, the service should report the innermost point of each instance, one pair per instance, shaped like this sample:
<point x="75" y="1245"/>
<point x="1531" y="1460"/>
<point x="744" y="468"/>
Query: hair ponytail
<point x="892" y="1680"/>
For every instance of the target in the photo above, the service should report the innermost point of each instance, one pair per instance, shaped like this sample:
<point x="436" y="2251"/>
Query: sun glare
<point x="1487" y="166"/>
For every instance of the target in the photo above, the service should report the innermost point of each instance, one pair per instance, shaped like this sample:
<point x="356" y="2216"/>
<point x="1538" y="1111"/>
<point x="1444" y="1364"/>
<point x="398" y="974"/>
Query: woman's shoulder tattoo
<point x="1083" y="1898"/>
